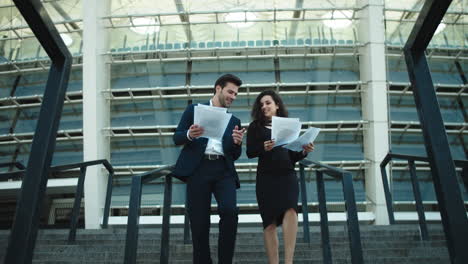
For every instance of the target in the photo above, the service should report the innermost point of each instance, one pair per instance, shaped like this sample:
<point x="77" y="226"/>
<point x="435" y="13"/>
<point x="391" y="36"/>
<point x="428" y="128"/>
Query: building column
<point x="375" y="106"/>
<point x="96" y="109"/>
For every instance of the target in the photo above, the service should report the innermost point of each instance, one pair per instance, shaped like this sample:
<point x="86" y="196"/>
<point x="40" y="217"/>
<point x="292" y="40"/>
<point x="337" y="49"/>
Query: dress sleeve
<point x="254" y="143"/>
<point x="296" y="156"/>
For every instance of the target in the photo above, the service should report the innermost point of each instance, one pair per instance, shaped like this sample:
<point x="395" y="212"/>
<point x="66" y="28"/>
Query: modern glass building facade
<point x="338" y="65"/>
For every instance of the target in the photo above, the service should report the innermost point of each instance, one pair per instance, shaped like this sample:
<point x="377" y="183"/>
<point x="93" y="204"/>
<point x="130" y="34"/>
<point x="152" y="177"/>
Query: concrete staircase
<point x="381" y="244"/>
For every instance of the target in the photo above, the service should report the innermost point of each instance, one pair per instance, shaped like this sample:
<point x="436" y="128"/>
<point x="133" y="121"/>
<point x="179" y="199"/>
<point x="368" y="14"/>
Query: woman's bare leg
<point x="289" y="235"/>
<point x="271" y="244"/>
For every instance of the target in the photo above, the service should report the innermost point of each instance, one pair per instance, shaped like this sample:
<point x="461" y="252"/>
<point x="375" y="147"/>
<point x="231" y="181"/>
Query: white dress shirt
<point x="213" y="146"/>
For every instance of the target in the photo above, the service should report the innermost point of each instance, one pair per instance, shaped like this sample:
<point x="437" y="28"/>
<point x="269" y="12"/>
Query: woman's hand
<point x="269" y="145"/>
<point x="306" y="149"/>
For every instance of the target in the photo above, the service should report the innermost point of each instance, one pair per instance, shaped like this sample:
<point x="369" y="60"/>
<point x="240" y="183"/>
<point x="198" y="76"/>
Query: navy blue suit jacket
<point x="193" y="151"/>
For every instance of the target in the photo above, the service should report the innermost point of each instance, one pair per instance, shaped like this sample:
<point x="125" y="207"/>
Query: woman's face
<point x="268" y="106"/>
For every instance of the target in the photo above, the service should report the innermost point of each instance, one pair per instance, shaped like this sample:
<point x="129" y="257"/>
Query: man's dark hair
<point x="223" y="80"/>
<point x="257" y="114"/>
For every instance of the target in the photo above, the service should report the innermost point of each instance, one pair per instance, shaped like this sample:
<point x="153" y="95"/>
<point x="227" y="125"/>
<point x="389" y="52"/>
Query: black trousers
<point x="211" y="178"/>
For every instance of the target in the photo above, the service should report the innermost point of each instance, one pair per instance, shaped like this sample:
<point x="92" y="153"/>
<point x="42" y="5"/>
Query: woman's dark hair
<point x="257" y="114"/>
<point x="223" y="80"/>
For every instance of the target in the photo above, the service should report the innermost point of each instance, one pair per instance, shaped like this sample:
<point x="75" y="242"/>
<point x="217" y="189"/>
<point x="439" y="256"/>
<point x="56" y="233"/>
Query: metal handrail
<point x="23" y="233"/>
<point x="350" y="205"/>
<point x="131" y="242"/>
<point x="17" y="164"/>
<point x="434" y="132"/>
<point x="414" y="182"/>
<point x="79" y="190"/>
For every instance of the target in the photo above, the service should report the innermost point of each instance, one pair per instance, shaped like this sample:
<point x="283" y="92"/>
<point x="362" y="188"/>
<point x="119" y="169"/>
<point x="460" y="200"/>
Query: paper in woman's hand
<point x="284" y="130"/>
<point x="213" y="120"/>
<point x="306" y="138"/>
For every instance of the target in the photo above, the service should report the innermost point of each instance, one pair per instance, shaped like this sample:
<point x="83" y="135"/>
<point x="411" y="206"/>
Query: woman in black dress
<point x="277" y="186"/>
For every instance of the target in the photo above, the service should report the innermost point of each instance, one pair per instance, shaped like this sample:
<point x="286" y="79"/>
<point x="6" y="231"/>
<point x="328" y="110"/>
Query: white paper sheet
<point x="222" y="109"/>
<point x="284" y="130"/>
<point x="213" y="120"/>
<point x="306" y="138"/>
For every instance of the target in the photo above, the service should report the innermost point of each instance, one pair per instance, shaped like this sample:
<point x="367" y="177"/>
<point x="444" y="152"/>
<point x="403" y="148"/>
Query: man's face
<point x="227" y="95"/>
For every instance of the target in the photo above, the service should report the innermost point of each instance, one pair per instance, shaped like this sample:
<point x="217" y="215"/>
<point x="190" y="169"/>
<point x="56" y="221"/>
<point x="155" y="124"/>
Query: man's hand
<point x="195" y="131"/>
<point x="237" y="135"/>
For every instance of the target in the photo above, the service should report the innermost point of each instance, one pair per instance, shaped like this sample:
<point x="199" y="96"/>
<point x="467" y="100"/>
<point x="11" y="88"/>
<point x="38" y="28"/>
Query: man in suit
<point x="208" y="167"/>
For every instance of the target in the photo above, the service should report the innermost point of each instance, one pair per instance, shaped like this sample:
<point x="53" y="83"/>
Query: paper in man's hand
<point x="213" y="120"/>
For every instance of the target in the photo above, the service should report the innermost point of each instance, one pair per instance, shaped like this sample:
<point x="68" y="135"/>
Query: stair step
<point x="381" y="244"/>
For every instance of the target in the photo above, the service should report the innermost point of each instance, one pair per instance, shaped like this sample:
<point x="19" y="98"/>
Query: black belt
<point x="213" y="157"/>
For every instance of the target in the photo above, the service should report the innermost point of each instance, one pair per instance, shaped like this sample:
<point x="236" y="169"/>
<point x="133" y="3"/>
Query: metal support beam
<point x="184" y="18"/>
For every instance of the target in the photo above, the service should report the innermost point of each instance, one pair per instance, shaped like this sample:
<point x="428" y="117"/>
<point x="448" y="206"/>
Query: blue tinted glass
<point x="143" y="151"/>
<point x="34" y="83"/>
<point x="6" y="85"/>
<point x="148" y="113"/>
<point x="71" y="118"/>
<point x="320" y="69"/>
<point x="67" y="152"/>
<point x="152" y="74"/>
<point x="6" y="154"/>
<point x="249" y="71"/>
<point x="403" y="108"/>
<point x="442" y="71"/>
<point x="413" y="144"/>
<point x="402" y="189"/>
<point x="6" y="120"/>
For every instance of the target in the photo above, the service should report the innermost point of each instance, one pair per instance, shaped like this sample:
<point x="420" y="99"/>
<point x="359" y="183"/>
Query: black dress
<point x="277" y="187"/>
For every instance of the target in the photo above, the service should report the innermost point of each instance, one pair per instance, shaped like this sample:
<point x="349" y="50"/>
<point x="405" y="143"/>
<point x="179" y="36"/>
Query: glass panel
<point x="67" y="152"/>
<point x="319" y="69"/>
<point x="402" y="188"/>
<point x="71" y="119"/>
<point x="143" y="151"/>
<point x="249" y="71"/>
<point x="209" y="28"/>
<point x="413" y="144"/>
<point x="399" y="24"/>
<point x="34" y="83"/>
<point x="6" y="155"/>
<point x="6" y="85"/>
<point x="143" y="75"/>
<point x="442" y="71"/>
<point x="147" y="113"/>
<point x="403" y="108"/>
<point x="6" y="120"/>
